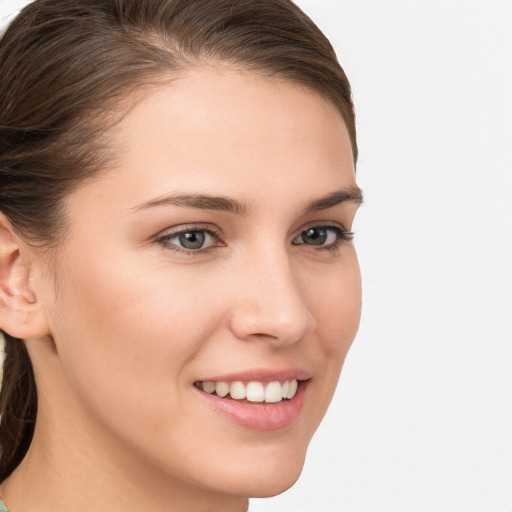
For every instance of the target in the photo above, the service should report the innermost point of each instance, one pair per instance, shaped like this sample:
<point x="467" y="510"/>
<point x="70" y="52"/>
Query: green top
<point x="3" y="508"/>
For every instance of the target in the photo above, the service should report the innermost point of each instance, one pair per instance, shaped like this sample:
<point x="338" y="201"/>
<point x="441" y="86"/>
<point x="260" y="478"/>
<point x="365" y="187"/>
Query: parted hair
<point x="66" y="69"/>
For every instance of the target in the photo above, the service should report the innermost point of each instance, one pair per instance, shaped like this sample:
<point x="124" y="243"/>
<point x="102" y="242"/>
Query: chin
<point x="263" y="479"/>
<point x="267" y="489"/>
<point x="265" y="486"/>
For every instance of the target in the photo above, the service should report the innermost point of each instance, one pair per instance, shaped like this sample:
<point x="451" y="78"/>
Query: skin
<point x="125" y="325"/>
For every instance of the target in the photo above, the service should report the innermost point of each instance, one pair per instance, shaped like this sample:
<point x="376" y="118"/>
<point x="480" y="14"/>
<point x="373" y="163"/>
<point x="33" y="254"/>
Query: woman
<point x="178" y="286"/>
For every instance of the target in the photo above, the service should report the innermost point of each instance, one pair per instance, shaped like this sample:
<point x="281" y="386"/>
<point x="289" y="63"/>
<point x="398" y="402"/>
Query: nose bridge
<point x="270" y="304"/>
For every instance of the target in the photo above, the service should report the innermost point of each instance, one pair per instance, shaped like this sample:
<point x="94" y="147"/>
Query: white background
<point x="422" y="419"/>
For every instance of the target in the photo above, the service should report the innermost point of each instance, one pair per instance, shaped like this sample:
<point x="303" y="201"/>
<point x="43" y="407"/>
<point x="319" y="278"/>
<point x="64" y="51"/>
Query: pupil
<point x="315" y="236"/>
<point x="192" y="239"/>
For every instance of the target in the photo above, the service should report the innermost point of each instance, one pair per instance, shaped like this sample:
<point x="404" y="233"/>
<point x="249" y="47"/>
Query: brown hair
<point x="65" y="66"/>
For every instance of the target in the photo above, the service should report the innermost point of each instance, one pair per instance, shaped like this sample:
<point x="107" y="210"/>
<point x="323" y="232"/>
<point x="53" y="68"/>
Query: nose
<point x="270" y="303"/>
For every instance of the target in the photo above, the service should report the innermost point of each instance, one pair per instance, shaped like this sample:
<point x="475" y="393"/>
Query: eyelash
<point x="342" y="236"/>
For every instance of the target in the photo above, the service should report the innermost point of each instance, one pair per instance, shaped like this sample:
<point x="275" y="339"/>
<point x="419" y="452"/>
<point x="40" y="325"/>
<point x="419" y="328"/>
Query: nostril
<point x="263" y="335"/>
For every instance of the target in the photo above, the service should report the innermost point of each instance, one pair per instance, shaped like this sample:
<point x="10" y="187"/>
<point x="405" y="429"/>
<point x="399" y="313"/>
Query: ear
<point x="21" y="314"/>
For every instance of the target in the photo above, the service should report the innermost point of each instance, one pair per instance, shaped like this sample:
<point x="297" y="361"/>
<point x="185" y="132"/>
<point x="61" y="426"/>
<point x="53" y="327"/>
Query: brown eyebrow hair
<point x="354" y="194"/>
<point x="225" y="204"/>
<point x="199" y="201"/>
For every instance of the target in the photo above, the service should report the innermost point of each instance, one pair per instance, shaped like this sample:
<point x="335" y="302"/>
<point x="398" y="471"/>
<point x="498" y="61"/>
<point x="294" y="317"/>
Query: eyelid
<point x="184" y="228"/>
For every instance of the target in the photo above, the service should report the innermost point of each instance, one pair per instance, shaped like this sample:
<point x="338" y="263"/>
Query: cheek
<point x="123" y="333"/>
<point x="335" y="302"/>
<point x="334" y="299"/>
<point x="336" y="307"/>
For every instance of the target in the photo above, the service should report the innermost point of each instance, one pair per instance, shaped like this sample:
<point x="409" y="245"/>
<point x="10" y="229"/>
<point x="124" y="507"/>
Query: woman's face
<point x="215" y="252"/>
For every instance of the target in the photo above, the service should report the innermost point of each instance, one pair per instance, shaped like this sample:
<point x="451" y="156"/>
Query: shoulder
<point x="3" y="508"/>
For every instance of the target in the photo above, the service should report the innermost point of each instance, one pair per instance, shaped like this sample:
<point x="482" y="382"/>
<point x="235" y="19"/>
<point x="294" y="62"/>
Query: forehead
<point x="223" y="132"/>
<point x="222" y="112"/>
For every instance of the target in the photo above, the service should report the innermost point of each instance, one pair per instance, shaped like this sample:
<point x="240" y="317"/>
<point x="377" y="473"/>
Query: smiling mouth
<point x="253" y="391"/>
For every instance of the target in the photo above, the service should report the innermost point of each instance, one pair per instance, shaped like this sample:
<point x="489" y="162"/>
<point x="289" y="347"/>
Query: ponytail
<point x="18" y="405"/>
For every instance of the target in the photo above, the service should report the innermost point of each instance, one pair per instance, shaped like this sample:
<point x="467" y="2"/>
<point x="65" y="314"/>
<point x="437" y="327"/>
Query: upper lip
<point x="261" y="375"/>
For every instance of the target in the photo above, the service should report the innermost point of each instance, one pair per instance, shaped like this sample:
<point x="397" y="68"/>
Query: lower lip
<point x="259" y="415"/>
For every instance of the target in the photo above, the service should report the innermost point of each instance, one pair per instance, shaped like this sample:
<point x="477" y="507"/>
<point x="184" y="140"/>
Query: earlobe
<point x="21" y="315"/>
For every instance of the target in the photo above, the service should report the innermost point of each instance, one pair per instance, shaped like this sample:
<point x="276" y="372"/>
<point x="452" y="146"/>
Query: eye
<point x="323" y="236"/>
<point x="190" y="240"/>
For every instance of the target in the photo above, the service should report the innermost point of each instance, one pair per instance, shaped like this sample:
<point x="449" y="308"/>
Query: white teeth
<point x="254" y="391"/>
<point x="237" y="390"/>
<point x="273" y="392"/>
<point x="209" y="386"/>
<point x="292" y="389"/>
<point x="286" y="386"/>
<point x="222" y="388"/>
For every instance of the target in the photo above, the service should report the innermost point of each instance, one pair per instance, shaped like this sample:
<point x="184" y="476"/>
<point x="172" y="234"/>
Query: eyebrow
<point x="353" y="194"/>
<point x="199" y="201"/>
<point x="225" y="204"/>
